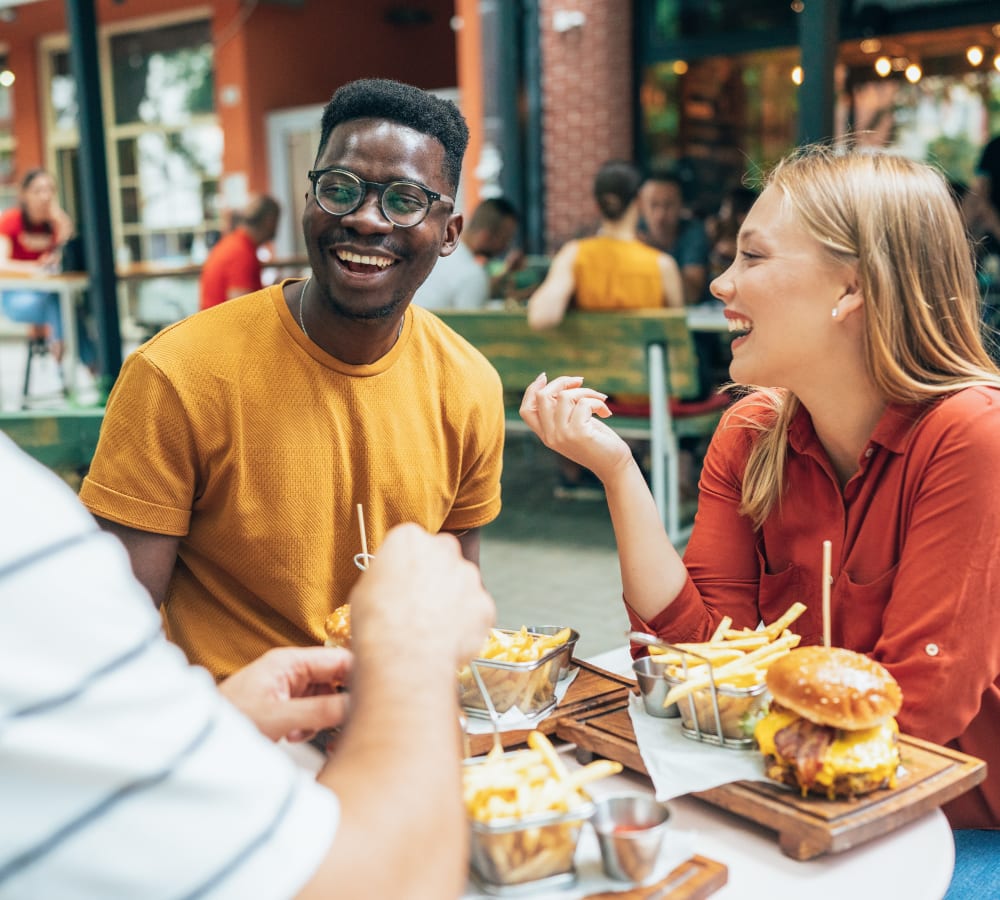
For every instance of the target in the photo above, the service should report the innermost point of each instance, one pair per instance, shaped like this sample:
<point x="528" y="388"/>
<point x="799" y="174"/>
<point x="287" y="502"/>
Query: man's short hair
<point x="381" y="98"/>
<point x="665" y="176"/>
<point x="491" y="213"/>
<point x="258" y="209"/>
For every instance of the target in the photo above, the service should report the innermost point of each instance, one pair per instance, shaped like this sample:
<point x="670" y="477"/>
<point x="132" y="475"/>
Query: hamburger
<point x="831" y="728"/>
<point x="338" y="627"/>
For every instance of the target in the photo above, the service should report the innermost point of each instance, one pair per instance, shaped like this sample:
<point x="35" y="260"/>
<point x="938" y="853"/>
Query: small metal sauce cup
<point x="630" y="830"/>
<point x="653" y="685"/>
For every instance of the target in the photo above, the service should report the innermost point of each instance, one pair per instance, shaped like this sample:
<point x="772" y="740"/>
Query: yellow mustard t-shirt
<point x="610" y="273"/>
<point x="236" y="433"/>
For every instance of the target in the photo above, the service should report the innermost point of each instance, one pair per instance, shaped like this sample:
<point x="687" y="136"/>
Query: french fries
<point x="531" y="785"/>
<point x="520" y="646"/>
<point x="738" y="658"/>
<point x="518" y="668"/>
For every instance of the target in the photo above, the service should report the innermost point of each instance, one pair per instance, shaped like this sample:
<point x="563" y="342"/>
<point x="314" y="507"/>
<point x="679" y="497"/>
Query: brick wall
<point x="586" y="108"/>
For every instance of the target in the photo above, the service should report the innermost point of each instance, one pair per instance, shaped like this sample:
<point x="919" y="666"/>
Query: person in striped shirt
<point x="125" y="772"/>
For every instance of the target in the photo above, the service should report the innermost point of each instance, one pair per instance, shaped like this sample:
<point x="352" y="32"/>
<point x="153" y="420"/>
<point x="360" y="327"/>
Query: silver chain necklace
<point x="302" y="320"/>
<point x="302" y="304"/>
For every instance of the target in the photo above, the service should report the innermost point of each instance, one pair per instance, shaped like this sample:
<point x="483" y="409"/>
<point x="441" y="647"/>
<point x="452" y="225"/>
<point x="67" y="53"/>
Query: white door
<point x="292" y="142"/>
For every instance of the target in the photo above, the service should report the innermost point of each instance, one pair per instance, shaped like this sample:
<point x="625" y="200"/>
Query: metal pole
<point x="818" y="37"/>
<point x="95" y="224"/>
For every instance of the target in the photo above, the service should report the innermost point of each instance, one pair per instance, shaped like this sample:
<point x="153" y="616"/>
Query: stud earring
<point x="834" y="313"/>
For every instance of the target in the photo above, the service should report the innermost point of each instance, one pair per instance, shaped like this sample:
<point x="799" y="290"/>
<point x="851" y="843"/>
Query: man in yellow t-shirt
<point x="238" y="443"/>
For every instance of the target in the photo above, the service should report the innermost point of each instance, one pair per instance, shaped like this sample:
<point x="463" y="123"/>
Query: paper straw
<point x="826" y="593"/>
<point x="361" y="525"/>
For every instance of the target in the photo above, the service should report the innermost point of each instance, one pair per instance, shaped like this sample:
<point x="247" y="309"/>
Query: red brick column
<point x="586" y="108"/>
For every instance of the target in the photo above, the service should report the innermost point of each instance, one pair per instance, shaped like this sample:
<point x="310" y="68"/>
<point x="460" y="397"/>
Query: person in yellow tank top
<point x="613" y="269"/>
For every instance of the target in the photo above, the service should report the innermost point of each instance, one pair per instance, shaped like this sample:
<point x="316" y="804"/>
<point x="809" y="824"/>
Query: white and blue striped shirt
<point x="123" y="771"/>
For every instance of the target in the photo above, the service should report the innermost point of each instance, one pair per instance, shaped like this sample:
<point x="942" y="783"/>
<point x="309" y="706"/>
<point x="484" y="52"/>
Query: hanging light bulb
<point x="6" y="78"/>
<point x="974" y="55"/>
<point x="797" y="75"/>
<point x="913" y="73"/>
<point x="883" y="66"/>
<point x="679" y="67"/>
<point x="996" y="62"/>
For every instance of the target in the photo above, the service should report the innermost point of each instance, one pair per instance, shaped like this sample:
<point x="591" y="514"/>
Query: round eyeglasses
<point x="404" y="203"/>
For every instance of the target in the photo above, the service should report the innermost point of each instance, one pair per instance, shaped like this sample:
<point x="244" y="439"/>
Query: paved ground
<point x="552" y="562"/>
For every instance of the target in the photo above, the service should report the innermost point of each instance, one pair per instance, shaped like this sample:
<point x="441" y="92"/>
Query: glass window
<point x="717" y="118"/>
<point x="8" y="183"/>
<point x="62" y="91"/>
<point x="163" y="76"/>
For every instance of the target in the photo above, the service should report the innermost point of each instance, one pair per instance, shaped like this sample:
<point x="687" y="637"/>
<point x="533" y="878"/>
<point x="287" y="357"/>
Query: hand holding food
<point x="446" y="612"/>
<point x="291" y="692"/>
<point x="831" y="729"/>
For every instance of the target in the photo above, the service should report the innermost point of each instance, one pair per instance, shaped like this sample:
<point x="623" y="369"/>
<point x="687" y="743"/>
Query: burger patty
<point x="845" y="786"/>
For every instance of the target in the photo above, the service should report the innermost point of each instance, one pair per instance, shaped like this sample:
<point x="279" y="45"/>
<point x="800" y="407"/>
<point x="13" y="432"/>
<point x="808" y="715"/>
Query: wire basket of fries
<point x="731" y="709"/>
<point x="526" y="813"/>
<point x="559" y="630"/>
<point x="719" y="685"/>
<point x="518" y="669"/>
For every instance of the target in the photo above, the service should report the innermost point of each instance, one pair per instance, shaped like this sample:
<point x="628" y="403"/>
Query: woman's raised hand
<point x="567" y="418"/>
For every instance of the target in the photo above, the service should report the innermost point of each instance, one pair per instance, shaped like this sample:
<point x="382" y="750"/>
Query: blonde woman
<point x="853" y="298"/>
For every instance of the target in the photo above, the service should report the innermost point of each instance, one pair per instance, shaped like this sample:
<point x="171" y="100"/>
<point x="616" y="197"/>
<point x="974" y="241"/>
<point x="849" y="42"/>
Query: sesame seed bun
<point x="836" y="687"/>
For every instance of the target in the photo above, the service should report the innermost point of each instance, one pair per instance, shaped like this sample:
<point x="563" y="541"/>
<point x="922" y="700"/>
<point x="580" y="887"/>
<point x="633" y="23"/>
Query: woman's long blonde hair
<point x="898" y="222"/>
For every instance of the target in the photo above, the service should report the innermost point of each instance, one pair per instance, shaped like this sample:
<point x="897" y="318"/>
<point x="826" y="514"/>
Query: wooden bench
<point x="642" y="352"/>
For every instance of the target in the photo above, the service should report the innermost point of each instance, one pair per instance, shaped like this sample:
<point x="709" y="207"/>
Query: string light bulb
<point x="679" y="67"/>
<point x="797" y="75"/>
<point x="913" y="73"/>
<point x="974" y="55"/>
<point x="996" y="62"/>
<point x="883" y="66"/>
<point x="6" y="78"/>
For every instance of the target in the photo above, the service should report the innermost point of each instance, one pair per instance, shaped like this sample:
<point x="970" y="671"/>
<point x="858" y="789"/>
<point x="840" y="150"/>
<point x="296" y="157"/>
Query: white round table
<point x="914" y="861"/>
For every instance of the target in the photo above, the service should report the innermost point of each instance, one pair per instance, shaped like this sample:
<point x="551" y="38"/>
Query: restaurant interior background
<point x="206" y="103"/>
<point x="720" y="84"/>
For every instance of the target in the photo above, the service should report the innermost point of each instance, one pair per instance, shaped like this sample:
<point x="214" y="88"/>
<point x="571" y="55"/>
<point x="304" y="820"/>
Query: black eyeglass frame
<point x="382" y="186"/>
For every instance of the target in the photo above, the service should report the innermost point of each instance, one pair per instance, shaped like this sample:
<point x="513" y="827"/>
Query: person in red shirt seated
<point x="871" y="419"/>
<point x="232" y="267"/>
<point x="32" y="235"/>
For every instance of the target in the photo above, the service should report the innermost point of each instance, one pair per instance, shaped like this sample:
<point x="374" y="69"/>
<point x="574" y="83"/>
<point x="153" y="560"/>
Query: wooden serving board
<point x="701" y="876"/>
<point x="592" y="689"/>
<point x="806" y="826"/>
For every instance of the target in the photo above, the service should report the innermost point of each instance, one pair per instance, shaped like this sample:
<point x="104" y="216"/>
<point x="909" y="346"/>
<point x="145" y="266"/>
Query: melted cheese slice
<point x="871" y="750"/>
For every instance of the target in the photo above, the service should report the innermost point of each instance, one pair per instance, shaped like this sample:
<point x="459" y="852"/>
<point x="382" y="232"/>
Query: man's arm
<point x="694" y="276"/>
<point x="153" y="556"/>
<point x="673" y="285"/>
<point x="549" y="303"/>
<point x="469" y="541"/>
<point x="399" y="776"/>
<point x="980" y="214"/>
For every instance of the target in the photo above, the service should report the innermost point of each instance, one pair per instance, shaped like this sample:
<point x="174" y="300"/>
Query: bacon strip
<point x="804" y="744"/>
